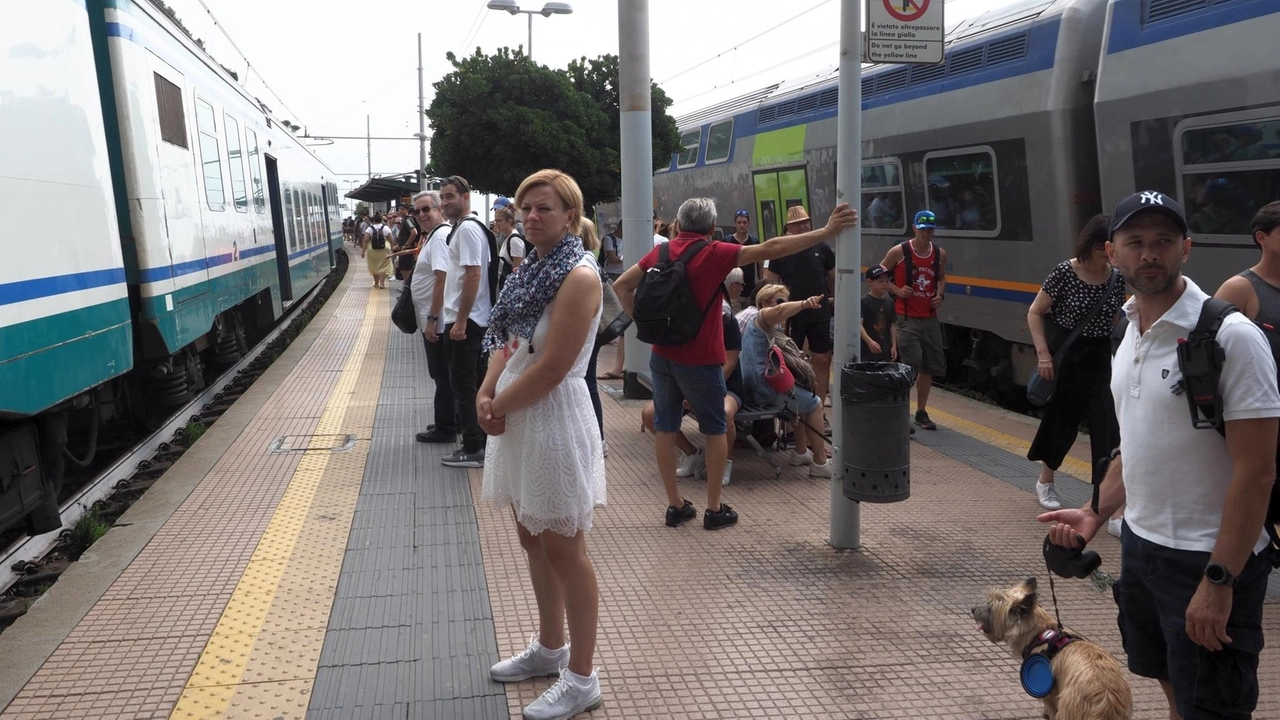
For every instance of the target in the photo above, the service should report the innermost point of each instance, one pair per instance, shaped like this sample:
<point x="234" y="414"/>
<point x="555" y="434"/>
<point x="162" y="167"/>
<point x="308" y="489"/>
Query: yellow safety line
<point x="228" y="650"/>
<point x="1074" y="467"/>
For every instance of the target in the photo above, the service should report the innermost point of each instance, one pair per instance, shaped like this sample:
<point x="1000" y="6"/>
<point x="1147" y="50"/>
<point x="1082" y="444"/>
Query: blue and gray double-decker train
<point x="1043" y="113"/>
<point x="159" y="219"/>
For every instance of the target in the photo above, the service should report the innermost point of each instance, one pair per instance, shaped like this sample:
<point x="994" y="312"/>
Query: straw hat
<point x="796" y="214"/>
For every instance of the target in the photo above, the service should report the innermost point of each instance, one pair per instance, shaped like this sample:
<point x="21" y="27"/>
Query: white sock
<point x="582" y="681"/>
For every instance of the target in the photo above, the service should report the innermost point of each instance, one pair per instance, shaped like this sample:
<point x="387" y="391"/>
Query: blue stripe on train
<point x="22" y="290"/>
<point x="168" y="272"/>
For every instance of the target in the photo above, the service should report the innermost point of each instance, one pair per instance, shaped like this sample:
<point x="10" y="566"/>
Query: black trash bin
<point x="876" y="431"/>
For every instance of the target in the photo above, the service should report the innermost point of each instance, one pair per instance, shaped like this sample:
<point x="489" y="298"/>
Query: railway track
<point x="30" y="564"/>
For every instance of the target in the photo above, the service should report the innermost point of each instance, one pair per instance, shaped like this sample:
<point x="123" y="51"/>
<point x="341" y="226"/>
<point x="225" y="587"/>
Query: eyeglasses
<point x="779" y="301"/>
<point x="427" y="209"/>
<point x="459" y="182"/>
<point x="742" y="213"/>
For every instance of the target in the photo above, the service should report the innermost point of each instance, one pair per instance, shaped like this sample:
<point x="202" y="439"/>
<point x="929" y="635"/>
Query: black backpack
<point x="494" y="261"/>
<point x="507" y="266"/>
<point x="665" y="310"/>
<point x="377" y="240"/>
<point x="1200" y="359"/>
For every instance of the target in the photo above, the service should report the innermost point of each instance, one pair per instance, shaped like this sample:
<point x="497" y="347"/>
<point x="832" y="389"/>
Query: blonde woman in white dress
<point x="544" y="457"/>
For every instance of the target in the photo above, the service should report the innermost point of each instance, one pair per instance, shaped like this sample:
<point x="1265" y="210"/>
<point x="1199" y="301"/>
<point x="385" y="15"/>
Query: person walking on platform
<point x="376" y="251"/>
<point x="1081" y="295"/>
<point x="427" y="286"/>
<point x="809" y="273"/>
<point x="468" y="300"/>
<point x="693" y="370"/>
<point x="546" y="460"/>
<point x="1194" y="554"/>
<point x="920" y="281"/>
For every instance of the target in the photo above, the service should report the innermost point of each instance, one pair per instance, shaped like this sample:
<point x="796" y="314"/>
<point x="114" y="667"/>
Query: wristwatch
<point x="1219" y="575"/>
<point x="432" y="318"/>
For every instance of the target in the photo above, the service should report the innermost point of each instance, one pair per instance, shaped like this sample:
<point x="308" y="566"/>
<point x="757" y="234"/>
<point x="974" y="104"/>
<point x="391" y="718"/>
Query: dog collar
<point x="1052" y="640"/>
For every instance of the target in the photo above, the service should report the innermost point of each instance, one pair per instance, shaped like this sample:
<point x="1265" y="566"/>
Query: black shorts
<point x="814" y="326"/>
<point x="1155" y="587"/>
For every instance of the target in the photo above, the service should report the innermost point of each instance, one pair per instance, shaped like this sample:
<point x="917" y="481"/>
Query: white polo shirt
<point x="468" y="248"/>
<point x="433" y="256"/>
<point x="1176" y="476"/>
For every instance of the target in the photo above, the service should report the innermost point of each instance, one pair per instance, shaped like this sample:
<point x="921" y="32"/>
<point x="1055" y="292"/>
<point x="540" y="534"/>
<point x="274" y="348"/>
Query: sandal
<point x="611" y="375"/>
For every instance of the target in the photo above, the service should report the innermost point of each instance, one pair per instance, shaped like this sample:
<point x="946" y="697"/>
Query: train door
<point x="327" y="203"/>
<point x="277" y="230"/>
<point x="777" y="190"/>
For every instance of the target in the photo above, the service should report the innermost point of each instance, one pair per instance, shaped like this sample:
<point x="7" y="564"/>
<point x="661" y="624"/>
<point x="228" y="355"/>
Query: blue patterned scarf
<point x="529" y="290"/>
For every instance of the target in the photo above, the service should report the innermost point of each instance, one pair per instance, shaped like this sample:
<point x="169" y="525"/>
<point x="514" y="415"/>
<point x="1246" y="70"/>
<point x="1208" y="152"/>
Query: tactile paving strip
<point x="247" y="663"/>
<point x="133" y="653"/>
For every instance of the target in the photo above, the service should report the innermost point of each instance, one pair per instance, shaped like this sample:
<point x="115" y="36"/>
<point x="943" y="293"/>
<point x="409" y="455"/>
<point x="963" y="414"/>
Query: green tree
<point x="497" y="118"/>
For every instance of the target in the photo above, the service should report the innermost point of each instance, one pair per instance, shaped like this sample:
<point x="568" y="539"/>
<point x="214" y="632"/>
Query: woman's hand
<point x="491" y="423"/>
<point x="1045" y="368"/>
<point x="811" y="303"/>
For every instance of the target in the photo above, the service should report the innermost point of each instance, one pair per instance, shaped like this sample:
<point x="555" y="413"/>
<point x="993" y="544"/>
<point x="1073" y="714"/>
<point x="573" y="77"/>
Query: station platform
<point x="307" y="558"/>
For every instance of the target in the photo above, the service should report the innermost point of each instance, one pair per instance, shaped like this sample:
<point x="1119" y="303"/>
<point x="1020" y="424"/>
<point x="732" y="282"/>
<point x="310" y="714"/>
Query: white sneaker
<point x="1048" y="496"/>
<point x="691" y="465"/>
<point x="572" y="694"/>
<point x="1114" y="524"/>
<point x="534" y="661"/>
<point x="823" y="470"/>
<point x="797" y="459"/>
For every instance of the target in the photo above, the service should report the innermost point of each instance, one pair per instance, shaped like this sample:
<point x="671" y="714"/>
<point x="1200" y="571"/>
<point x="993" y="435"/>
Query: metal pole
<point x="530" y="46"/>
<point x="422" y="125"/>
<point x="845" y="515"/>
<point x="368" y="147"/>
<point x="637" y="153"/>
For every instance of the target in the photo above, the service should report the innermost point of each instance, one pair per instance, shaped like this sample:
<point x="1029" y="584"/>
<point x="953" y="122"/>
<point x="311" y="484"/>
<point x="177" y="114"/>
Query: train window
<point x="882" y="199"/>
<point x="239" y="194"/>
<point x="288" y="213"/>
<point x="173" y="120"/>
<point x="689" y="153"/>
<point x="255" y="171"/>
<point x="962" y="191"/>
<point x="297" y="219"/>
<point x="1228" y="171"/>
<point x="719" y="140"/>
<point x="210" y="156"/>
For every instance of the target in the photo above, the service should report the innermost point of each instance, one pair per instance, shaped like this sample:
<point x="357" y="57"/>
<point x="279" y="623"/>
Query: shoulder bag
<point x="1040" y="391"/>
<point x="613" y="319"/>
<point x="403" y="315"/>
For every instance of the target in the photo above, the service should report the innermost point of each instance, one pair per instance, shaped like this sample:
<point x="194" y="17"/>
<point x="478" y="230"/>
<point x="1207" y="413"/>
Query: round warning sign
<point x="906" y="10"/>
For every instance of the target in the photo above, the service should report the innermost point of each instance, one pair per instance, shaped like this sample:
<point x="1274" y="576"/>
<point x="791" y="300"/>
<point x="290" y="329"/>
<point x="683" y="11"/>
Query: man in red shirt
<point x="693" y="372"/>
<point x="919" y="332"/>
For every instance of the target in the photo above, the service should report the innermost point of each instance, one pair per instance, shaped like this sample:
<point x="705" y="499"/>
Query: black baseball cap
<point x="875" y="272"/>
<point x="1152" y="200"/>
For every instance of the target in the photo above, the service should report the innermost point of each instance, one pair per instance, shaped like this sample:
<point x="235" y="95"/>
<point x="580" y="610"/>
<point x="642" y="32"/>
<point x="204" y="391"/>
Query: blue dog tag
<point x="1037" y="675"/>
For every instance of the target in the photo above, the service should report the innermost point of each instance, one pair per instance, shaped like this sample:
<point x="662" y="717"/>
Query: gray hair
<point x="697" y="215"/>
<point x="734" y="276"/>
<point x="431" y="195"/>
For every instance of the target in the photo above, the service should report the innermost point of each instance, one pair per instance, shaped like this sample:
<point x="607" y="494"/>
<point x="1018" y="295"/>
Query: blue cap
<point x="501" y="202"/>
<point x="926" y="220"/>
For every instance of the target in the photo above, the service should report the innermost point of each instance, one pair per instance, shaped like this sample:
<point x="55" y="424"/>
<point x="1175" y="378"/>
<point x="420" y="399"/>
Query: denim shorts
<point x="1155" y="587"/>
<point x="701" y="385"/>
<point x="804" y="402"/>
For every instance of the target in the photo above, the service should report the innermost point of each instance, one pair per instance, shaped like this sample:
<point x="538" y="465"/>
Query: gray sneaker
<point x="534" y="661"/>
<point x="464" y="459"/>
<point x="572" y="694"/>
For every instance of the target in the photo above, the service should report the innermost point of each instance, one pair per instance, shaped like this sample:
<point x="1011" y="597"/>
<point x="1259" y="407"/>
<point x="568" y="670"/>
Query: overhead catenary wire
<point x="473" y="30"/>
<point x="775" y="66"/>
<point x="249" y="68"/>
<point x="757" y="36"/>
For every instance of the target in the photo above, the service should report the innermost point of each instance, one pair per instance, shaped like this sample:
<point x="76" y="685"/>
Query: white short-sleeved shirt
<point x="432" y="256"/>
<point x="511" y="247"/>
<point x="1176" y="476"/>
<point x="658" y="240"/>
<point x="468" y="248"/>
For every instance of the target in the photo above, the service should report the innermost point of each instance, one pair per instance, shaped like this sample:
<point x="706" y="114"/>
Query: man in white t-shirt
<point x="611" y="252"/>
<point x="468" y="300"/>
<point x="427" y="285"/>
<point x="1194" y="554"/>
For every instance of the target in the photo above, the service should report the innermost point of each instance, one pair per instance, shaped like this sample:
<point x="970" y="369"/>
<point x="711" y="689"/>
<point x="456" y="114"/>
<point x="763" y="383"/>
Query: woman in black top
<point x="1084" y="375"/>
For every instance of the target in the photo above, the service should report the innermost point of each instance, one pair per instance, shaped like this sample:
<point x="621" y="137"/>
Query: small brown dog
<point x="1088" y="682"/>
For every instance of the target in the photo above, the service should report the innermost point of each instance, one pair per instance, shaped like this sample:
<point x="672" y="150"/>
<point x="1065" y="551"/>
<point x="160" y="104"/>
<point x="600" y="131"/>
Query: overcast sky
<point x="334" y="61"/>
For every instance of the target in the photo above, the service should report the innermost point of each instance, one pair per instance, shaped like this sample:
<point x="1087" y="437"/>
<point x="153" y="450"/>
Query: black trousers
<point x="1083" y="393"/>
<point x="467" y="365"/>
<point x="593" y="388"/>
<point x="446" y="407"/>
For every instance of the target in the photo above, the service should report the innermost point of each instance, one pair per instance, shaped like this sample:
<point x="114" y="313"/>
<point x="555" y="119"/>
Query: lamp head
<point x="556" y="8"/>
<point x="508" y="5"/>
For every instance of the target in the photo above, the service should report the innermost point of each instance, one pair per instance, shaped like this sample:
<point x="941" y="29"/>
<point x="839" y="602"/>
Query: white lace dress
<point x="549" y="464"/>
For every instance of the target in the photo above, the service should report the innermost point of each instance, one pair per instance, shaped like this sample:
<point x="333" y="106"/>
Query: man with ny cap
<point x="808" y="273"/>
<point x="1194" y="554"/>
<point x="919" y="284"/>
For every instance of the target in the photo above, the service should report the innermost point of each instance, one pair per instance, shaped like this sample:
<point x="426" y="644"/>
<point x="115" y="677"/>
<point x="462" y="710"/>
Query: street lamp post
<point x="549" y="9"/>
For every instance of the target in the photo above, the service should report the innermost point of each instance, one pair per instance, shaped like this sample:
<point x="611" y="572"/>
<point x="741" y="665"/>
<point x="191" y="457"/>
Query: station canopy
<point x="386" y="189"/>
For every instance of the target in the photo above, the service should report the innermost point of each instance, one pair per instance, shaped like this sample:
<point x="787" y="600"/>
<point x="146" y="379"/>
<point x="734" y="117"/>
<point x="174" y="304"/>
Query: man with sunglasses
<point x="427" y="285"/>
<point x="742" y="236"/>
